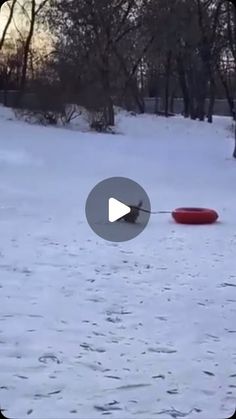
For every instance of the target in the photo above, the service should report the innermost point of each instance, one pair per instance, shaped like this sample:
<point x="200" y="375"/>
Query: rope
<point x="152" y="212"/>
<point x="162" y="212"/>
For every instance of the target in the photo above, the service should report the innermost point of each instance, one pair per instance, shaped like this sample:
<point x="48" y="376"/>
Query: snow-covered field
<point x="90" y="328"/>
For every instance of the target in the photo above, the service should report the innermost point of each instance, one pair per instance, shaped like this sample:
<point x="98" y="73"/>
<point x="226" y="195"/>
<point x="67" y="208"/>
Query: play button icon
<point x="111" y="205"/>
<point x="117" y="210"/>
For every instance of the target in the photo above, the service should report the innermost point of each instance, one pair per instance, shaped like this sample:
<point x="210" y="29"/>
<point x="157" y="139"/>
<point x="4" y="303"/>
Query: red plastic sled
<point x="195" y="216"/>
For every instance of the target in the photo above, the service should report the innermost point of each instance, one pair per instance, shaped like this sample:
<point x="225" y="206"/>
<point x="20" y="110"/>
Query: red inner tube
<point x="195" y="215"/>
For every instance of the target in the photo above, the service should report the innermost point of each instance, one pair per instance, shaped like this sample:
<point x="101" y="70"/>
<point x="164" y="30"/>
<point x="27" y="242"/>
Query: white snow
<point x="143" y="328"/>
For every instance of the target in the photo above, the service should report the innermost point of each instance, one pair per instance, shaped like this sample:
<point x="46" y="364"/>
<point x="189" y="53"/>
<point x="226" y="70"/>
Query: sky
<point x="21" y="23"/>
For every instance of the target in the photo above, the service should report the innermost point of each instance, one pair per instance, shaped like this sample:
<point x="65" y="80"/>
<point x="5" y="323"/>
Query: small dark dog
<point x="133" y="214"/>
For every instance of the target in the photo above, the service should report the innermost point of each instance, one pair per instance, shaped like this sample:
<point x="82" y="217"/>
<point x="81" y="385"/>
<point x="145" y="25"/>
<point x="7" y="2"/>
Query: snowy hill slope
<point x="141" y="328"/>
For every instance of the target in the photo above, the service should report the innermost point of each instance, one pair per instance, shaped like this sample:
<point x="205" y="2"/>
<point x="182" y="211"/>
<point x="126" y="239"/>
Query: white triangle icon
<point x="117" y="210"/>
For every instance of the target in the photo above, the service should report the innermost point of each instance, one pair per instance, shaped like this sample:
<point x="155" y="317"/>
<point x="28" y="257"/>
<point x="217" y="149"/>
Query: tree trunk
<point x="183" y="85"/>
<point x="200" y="93"/>
<point x="193" y="108"/>
<point x="27" y="46"/>
<point x="167" y="83"/>
<point x="228" y="95"/>
<point x="131" y="83"/>
<point x="230" y="99"/>
<point x="231" y="25"/>
<point x="192" y="94"/>
<point x="9" y="20"/>
<point x="211" y="102"/>
<point x="138" y="99"/>
<point x="201" y="109"/>
<point x="141" y="78"/>
<point x="156" y="105"/>
<point x="172" y="102"/>
<point x="234" y="153"/>
<point x="108" y="114"/>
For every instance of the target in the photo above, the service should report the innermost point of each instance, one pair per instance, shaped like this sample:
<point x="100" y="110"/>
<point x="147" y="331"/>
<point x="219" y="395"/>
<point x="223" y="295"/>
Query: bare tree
<point x="208" y="20"/>
<point x="9" y="20"/>
<point x="115" y="51"/>
<point x="231" y="32"/>
<point x="100" y="36"/>
<point x="32" y="14"/>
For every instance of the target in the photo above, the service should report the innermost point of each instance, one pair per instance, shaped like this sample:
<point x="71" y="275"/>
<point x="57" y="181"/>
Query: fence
<point x="10" y="98"/>
<point x="152" y="105"/>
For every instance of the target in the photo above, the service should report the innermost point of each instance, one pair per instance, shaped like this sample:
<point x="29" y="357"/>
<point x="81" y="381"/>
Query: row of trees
<point x="107" y="52"/>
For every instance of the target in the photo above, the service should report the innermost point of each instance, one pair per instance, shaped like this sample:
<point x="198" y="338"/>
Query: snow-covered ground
<point x="91" y="328"/>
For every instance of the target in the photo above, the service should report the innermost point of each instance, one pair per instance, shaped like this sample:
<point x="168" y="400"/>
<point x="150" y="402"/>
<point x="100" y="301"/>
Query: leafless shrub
<point x="97" y="122"/>
<point x="70" y="113"/>
<point x="38" y="117"/>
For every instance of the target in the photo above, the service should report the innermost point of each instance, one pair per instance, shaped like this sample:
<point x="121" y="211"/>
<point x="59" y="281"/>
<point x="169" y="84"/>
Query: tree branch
<point x="7" y="24"/>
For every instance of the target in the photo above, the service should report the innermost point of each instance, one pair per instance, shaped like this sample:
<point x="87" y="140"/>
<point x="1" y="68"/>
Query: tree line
<point x="116" y="52"/>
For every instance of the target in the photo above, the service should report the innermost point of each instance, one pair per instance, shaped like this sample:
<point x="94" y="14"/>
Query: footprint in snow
<point x="49" y="357"/>
<point x="162" y="350"/>
<point x="108" y="407"/>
